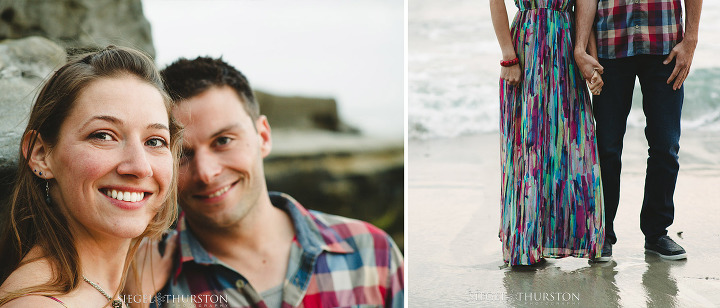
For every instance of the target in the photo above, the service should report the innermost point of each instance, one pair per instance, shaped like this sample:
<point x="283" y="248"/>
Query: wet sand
<point x="453" y="251"/>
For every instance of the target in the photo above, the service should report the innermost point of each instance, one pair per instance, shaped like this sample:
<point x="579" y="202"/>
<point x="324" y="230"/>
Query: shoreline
<point x="455" y="256"/>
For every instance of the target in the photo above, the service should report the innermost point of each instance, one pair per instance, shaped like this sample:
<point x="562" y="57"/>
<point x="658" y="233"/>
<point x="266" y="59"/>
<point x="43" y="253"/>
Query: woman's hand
<point x="595" y="83"/>
<point x="152" y="269"/>
<point x="498" y="14"/>
<point x="511" y="74"/>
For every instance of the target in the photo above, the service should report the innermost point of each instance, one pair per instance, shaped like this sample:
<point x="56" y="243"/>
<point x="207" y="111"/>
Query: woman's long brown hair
<point x="31" y="221"/>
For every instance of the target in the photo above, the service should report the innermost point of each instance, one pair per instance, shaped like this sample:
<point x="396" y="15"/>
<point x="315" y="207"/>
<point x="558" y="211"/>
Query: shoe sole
<point x="668" y="257"/>
<point x="602" y="259"/>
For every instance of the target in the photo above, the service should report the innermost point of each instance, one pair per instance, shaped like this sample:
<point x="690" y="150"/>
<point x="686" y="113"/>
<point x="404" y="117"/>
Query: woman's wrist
<point x="508" y="63"/>
<point x="506" y="56"/>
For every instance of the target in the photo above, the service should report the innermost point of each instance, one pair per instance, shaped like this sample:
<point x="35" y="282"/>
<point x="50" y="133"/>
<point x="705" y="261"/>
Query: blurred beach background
<point x="454" y="254"/>
<point x="349" y="51"/>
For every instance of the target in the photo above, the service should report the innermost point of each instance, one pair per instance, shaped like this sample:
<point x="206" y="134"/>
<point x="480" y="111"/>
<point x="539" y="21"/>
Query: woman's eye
<point x="156" y="142"/>
<point x="101" y="136"/>
<point x="223" y="140"/>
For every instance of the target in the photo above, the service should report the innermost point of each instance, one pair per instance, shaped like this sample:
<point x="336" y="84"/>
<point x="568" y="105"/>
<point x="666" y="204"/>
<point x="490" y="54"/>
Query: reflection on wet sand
<point x="660" y="287"/>
<point x="558" y="283"/>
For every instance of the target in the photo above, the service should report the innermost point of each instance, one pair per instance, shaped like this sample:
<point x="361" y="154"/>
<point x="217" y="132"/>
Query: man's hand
<point x="587" y="64"/>
<point x="511" y="74"/>
<point x="152" y="268"/>
<point x="683" y="54"/>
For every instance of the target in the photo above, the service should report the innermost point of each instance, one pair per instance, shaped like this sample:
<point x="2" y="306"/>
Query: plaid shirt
<point x="627" y="28"/>
<point x="334" y="262"/>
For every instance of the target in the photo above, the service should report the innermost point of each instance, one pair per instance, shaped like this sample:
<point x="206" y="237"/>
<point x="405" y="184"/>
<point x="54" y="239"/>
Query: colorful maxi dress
<point x="551" y="191"/>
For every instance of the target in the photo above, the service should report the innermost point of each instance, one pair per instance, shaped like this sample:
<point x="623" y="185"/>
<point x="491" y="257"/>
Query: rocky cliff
<point x="78" y="25"/>
<point x="24" y="64"/>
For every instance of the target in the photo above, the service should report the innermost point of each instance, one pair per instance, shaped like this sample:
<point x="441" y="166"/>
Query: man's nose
<point x="207" y="166"/>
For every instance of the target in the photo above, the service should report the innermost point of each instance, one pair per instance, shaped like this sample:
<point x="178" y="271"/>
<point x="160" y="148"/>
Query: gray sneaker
<point x="606" y="255"/>
<point x="666" y="248"/>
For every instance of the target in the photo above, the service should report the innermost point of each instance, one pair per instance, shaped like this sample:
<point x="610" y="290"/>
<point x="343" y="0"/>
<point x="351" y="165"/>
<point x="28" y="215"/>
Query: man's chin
<point x="202" y="222"/>
<point x="203" y="204"/>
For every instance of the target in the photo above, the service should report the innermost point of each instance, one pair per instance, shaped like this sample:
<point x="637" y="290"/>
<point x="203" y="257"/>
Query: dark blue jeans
<point x="662" y="106"/>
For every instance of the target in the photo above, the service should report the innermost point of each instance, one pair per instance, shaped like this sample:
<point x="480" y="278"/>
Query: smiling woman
<point x="96" y="175"/>
<point x="106" y="145"/>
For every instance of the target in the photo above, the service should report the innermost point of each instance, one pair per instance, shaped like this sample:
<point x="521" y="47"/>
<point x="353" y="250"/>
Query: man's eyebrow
<point x="225" y="129"/>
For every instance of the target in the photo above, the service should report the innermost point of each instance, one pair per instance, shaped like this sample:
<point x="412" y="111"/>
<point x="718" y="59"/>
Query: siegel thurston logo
<point x="562" y="297"/>
<point x="211" y="300"/>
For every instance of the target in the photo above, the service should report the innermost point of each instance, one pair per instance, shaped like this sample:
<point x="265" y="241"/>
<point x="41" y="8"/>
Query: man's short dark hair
<point x="186" y="78"/>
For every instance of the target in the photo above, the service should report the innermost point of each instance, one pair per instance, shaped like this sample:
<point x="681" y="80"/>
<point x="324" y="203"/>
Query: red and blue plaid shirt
<point x="334" y="262"/>
<point x="627" y="28"/>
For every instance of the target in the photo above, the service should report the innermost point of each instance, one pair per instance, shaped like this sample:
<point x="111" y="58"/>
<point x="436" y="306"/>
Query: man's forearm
<point x="592" y="45"/>
<point x="692" y="19"/>
<point x="585" y="11"/>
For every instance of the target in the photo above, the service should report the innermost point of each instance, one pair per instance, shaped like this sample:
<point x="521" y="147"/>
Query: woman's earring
<point x="47" y="192"/>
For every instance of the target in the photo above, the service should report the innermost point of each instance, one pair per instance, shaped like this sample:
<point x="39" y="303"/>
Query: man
<point x="244" y="245"/>
<point x="642" y="38"/>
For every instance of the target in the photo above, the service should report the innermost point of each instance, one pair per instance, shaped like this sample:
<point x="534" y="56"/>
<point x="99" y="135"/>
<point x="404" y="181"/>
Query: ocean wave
<point x="448" y="107"/>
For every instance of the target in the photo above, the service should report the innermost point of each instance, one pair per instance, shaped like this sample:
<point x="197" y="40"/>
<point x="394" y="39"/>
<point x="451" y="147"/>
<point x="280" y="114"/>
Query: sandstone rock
<point x="24" y="64"/>
<point x="303" y="113"/>
<point x="78" y="24"/>
<point x="343" y="174"/>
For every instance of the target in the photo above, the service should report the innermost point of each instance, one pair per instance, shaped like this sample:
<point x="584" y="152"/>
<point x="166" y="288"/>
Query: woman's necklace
<point x="115" y="303"/>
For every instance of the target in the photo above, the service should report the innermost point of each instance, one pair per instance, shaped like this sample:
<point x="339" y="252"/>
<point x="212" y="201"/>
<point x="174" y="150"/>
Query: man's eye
<point x="223" y="140"/>
<point x="185" y="156"/>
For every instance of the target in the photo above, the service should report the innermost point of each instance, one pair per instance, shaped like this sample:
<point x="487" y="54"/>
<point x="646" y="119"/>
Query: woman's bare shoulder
<point x="30" y="274"/>
<point x="36" y="271"/>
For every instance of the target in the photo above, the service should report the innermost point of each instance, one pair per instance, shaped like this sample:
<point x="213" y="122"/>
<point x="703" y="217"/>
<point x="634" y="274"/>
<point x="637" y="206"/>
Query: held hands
<point x="595" y="83"/>
<point x="152" y="268"/>
<point x="683" y="54"/>
<point x="587" y="64"/>
<point x="591" y="70"/>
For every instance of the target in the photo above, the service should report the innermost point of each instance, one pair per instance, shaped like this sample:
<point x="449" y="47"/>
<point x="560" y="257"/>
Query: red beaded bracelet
<point x="509" y="62"/>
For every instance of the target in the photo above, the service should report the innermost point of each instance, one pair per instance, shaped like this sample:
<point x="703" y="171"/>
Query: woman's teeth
<point x="219" y="192"/>
<point x="125" y="195"/>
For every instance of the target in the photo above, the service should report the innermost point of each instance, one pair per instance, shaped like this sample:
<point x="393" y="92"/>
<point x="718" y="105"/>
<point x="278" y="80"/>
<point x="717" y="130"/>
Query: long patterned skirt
<point x="551" y="190"/>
